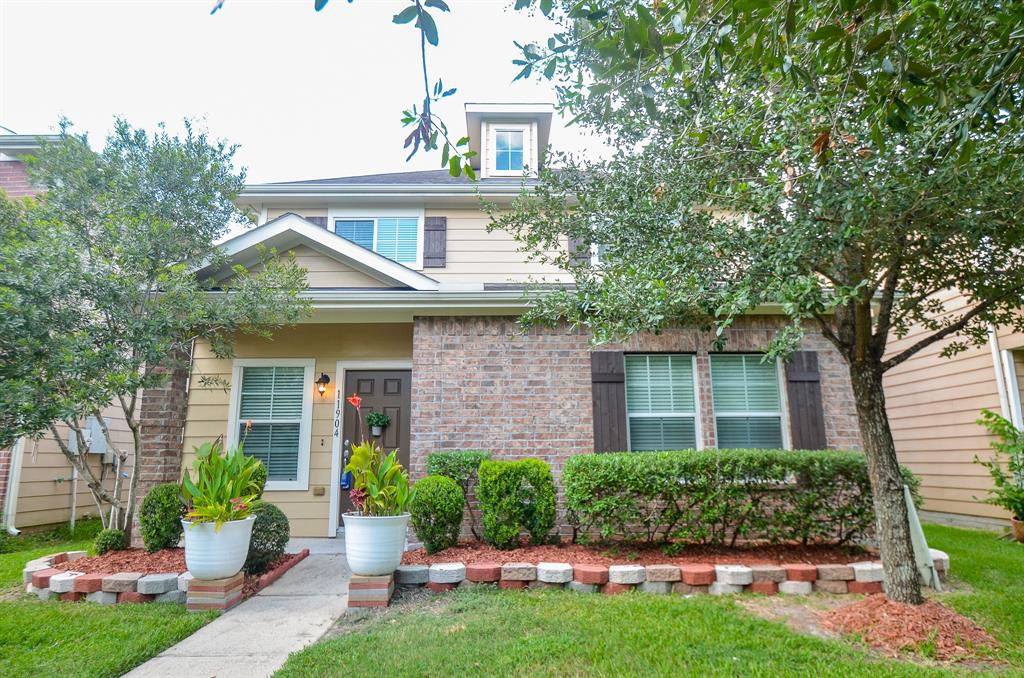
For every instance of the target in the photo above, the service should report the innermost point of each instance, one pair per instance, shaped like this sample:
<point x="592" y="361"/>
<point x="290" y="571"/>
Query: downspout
<point x="997" y="361"/>
<point x="13" y="480"/>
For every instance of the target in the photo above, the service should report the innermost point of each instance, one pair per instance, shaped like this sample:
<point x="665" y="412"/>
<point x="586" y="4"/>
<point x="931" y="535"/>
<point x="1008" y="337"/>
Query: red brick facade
<point x="480" y="383"/>
<point x="162" y="418"/>
<point x="13" y="179"/>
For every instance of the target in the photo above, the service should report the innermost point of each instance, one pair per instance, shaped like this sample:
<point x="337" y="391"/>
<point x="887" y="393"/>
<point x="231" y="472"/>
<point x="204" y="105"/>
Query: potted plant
<point x="221" y="501"/>
<point x="1008" y="483"/>
<point x="375" y="533"/>
<point x="377" y="421"/>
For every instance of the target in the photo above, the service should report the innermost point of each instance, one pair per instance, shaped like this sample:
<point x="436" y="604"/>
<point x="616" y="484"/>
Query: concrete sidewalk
<point x="255" y="638"/>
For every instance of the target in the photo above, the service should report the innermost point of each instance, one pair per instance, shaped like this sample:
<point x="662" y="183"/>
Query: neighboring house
<point x="415" y="308"/>
<point x="934" y="404"/>
<point x="37" y="483"/>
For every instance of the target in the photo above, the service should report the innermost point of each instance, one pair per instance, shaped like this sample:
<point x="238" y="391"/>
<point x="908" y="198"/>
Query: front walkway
<point x="255" y="638"/>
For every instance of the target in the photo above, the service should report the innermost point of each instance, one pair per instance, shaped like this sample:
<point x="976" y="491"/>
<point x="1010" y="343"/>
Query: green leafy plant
<point x="380" y="485"/>
<point x="270" y="534"/>
<point x="378" y="419"/>
<point x="437" y="512"/>
<point x="224" y="489"/>
<point x="111" y="539"/>
<point x="259" y="478"/>
<point x="461" y="466"/>
<point x="1008" y="484"/>
<point x="160" y="517"/>
<point x="721" y="496"/>
<point x="516" y="496"/>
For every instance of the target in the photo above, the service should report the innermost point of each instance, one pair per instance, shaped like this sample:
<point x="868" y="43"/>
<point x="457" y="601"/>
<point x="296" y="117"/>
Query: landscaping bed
<point x="751" y="554"/>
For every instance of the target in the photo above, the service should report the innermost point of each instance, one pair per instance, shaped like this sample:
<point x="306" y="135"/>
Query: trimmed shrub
<point x="516" y="496"/>
<point x="270" y="534"/>
<point x="437" y="512"/>
<point x="720" y="496"/>
<point x="110" y="539"/>
<point x="259" y="478"/>
<point x="461" y="466"/>
<point x="160" y="517"/>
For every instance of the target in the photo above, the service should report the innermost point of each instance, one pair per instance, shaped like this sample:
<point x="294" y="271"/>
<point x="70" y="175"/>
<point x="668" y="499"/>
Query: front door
<point x="386" y="391"/>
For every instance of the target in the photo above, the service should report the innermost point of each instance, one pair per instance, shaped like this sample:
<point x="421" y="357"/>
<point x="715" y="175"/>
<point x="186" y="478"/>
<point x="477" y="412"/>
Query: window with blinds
<point x="747" y="401"/>
<point x="661" y="405"/>
<point x="272" y="399"/>
<point x="391" y="237"/>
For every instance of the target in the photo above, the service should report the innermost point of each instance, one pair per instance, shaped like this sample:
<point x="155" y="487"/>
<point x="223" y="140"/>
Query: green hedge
<point x="160" y="517"/>
<point x="437" y="512"/>
<point x="516" y="496"/>
<point x="720" y="496"/>
<point x="270" y="534"/>
<point x="461" y="466"/>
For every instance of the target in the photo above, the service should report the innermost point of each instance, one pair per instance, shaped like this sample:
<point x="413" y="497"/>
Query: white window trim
<point x="698" y="431"/>
<point x="375" y="213"/>
<point x="301" y="483"/>
<point x="340" y="370"/>
<point x="782" y="413"/>
<point x="530" y="150"/>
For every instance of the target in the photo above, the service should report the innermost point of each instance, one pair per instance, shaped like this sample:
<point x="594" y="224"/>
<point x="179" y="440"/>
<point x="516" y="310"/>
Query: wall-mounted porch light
<point x="321" y="383"/>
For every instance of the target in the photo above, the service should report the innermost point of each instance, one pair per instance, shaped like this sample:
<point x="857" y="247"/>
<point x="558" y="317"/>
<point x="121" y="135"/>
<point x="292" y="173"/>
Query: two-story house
<point x="415" y="308"/>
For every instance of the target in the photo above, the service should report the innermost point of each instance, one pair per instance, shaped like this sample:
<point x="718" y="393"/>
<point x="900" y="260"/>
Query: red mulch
<point x="753" y="554"/>
<point x="130" y="560"/>
<point x="252" y="581"/>
<point x="892" y="627"/>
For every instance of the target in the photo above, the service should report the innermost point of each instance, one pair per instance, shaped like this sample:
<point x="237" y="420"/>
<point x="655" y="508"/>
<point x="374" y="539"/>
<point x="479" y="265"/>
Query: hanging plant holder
<point x="377" y="421"/>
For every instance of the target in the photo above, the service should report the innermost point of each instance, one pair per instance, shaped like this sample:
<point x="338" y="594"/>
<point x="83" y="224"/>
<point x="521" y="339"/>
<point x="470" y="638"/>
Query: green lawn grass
<point x="994" y="572"/>
<point x="78" y="639"/>
<point x="558" y="633"/>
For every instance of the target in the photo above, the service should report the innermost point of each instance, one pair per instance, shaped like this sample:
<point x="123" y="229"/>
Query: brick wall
<point x="162" y="422"/>
<point x="13" y="179"/>
<point x="479" y="383"/>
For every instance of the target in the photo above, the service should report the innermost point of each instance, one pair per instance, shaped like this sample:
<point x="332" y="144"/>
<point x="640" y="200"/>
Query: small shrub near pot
<point x="516" y="496"/>
<point x="270" y="534"/>
<point x="110" y="539"/>
<point x="160" y="517"/>
<point x="1007" y="484"/>
<point x="259" y="478"/>
<point x="437" y="512"/>
<point x="461" y="466"/>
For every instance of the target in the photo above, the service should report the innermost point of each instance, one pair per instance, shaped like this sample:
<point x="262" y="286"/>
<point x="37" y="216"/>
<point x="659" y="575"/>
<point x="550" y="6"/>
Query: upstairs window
<point x="747" y="401"/>
<point x="660" y="402"/>
<point x="509" y="151"/>
<point x="396" y="238"/>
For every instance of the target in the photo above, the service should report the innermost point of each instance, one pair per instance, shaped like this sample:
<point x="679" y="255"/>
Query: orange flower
<point x="248" y="425"/>
<point x="354" y="400"/>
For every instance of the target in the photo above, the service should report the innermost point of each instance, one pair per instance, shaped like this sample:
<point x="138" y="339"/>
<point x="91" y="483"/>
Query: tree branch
<point x="952" y="328"/>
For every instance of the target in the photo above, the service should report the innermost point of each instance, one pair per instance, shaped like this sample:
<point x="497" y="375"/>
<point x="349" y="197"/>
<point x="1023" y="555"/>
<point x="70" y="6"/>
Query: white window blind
<point x="660" y="402"/>
<point x="272" y="399"/>
<point x="396" y="238"/>
<point x="747" y="401"/>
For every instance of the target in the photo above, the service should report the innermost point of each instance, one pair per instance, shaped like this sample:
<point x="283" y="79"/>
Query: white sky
<point x="305" y="94"/>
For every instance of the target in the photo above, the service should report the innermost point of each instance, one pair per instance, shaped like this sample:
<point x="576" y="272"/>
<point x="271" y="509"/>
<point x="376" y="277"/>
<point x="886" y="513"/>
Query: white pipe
<point x="74" y="495"/>
<point x="997" y="363"/>
<point x="1012" y="388"/>
<point x="13" y="480"/>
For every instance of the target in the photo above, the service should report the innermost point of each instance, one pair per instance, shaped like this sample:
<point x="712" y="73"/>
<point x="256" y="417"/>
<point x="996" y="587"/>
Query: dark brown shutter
<point x="319" y="221"/>
<point x="803" y="387"/>
<point x="608" y="381"/>
<point x="579" y="251"/>
<point x="435" y="242"/>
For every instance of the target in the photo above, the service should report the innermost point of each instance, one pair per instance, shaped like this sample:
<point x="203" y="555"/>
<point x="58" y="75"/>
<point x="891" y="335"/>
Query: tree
<point x="850" y="160"/>
<point x="99" y="292"/>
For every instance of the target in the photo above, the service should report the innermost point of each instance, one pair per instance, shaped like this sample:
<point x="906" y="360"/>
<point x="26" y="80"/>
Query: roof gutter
<point x="370" y="190"/>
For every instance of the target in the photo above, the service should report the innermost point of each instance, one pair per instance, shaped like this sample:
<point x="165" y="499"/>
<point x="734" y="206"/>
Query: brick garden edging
<point x="46" y="582"/>
<point x="690" y="579"/>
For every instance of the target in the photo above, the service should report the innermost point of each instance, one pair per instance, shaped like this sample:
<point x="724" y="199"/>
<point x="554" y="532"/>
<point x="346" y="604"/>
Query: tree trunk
<point x="902" y="580"/>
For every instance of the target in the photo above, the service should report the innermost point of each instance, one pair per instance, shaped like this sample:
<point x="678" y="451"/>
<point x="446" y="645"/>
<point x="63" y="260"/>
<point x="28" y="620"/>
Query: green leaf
<point x="406" y="15"/>
<point x="546" y="6"/>
<point x="429" y="28"/>
<point x="549" y="70"/>
<point x="454" y="166"/>
<point x="827" y="32"/>
<point x="876" y="43"/>
<point x="438" y="4"/>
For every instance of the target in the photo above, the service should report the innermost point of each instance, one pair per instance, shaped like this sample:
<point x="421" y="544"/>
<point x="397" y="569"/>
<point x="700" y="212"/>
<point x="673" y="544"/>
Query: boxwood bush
<point x="461" y="466"/>
<point x="721" y="496"/>
<point x="437" y="512"/>
<point x="516" y="496"/>
<point x="270" y="534"/>
<point x="160" y="517"/>
<point x="110" y="539"/>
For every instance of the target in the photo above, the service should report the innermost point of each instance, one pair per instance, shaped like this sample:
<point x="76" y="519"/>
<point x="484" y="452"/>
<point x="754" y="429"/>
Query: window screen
<point x="748" y="405"/>
<point x="660" y="402"/>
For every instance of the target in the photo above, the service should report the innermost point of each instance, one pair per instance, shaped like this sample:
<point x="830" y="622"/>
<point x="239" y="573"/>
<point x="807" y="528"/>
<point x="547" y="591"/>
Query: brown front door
<point x="386" y="391"/>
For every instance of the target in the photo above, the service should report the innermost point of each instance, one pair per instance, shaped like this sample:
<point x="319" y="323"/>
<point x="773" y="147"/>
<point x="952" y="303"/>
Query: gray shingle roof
<point x="428" y="177"/>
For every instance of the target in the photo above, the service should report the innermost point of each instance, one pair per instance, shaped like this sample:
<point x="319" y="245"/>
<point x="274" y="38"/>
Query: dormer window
<point x="509" y="150"/>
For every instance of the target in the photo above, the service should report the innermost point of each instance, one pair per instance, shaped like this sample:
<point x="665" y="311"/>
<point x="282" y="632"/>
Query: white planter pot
<point x="217" y="555"/>
<point x="374" y="544"/>
<point x="376" y="431"/>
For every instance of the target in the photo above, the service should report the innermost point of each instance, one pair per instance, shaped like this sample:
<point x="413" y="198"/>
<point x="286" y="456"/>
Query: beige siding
<point x="45" y="488"/>
<point x="325" y="271"/>
<point x="934" y="403"/>
<point x="208" y="404"/>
